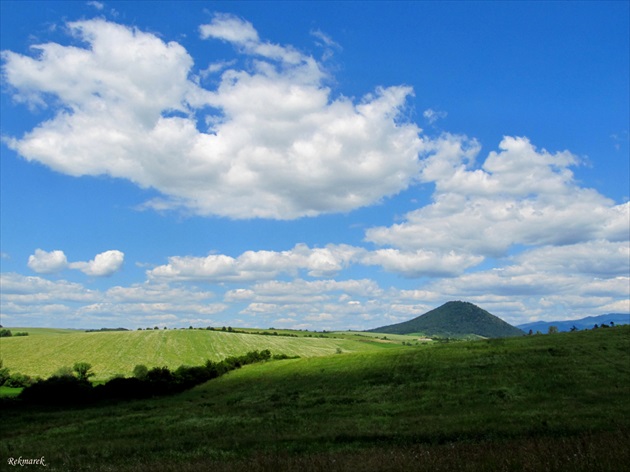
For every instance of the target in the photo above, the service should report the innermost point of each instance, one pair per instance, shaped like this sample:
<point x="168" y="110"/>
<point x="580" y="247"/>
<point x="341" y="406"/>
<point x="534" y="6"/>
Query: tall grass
<point x="588" y="452"/>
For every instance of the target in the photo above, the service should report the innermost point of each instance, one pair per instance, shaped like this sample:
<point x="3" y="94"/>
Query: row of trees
<point x="229" y="329"/>
<point x="74" y="387"/>
<point x="554" y="329"/>
<point x="81" y="370"/>
<point x="6" y="333"/>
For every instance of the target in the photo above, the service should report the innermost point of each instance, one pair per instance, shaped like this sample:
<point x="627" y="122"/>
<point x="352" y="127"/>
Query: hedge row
<point x="70" y="390"/>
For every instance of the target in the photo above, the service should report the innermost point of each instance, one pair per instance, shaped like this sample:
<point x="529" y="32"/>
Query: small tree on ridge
<point x="83" y="370"/>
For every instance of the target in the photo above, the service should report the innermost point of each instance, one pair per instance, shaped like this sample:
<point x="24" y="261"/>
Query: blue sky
<point x="316" y="165"/>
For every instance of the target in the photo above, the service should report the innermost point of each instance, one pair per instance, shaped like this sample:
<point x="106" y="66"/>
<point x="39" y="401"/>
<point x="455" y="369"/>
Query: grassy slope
<point x="119" y="351"/>
<point x="556" y="402"/>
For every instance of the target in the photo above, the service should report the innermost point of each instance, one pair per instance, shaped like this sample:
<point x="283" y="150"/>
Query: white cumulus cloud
<point x="35" y="301"/>
<point x="44" y="262"/>
<point x="103" y="264"/>
<point x="315" y="262"/>
<point x="269" y="141"/>
<point x="519" y="196"/>
<point x="421" y="263"/>
<point x="256" y="265"/>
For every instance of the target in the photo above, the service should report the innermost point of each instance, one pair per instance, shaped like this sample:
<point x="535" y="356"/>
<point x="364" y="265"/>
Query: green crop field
<point x="353" y="335"/>
<point x="117" y="352"/>
<point x="395" y="338"/>
<point x="533" y="403"/>
<point x="45" y="331"/>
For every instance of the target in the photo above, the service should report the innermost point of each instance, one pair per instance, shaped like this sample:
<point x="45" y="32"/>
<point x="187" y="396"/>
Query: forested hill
<point x="455" y="319"/>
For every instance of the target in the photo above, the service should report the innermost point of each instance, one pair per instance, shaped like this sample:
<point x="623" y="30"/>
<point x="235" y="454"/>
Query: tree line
<point x="73" y="387"/>
<point x="6" y="333"/>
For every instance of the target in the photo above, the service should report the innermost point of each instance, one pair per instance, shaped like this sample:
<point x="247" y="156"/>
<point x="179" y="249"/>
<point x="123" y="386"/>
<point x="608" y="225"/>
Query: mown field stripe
<point x="117" y="352"/>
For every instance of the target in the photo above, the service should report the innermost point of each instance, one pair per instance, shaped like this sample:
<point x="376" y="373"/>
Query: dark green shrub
<point x="140" y="372"/>
<point x="65" y="371"/>
<point x="256" y="356"/>
<point x="65" y="388"/>
<point x="4" y="373"/>
<point x="123" y="389"/>
<point x="211" y="369"/>
<point x="58" y="391"/>
<point x="188" y="377"/>
<point x="18" y="380"/>
<point x="277" y="357"/>
<point x="161" y="380"/>
<point x="159" y="374"/>
<point x="83" y="370"/>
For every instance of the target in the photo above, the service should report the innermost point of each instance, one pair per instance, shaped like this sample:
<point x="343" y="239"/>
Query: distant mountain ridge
<point x="454" y="319"/>
<point x="582" y="323"/>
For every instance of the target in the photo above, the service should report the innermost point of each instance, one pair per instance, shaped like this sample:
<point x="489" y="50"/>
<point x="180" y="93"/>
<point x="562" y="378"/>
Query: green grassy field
<point x="393" y="338"/>
<point x="117" y="352"/>
<point x="537" y="403"/>
<point x="9" y="391"/>
<point x="354" y="335"/>
<point x="45" y="331"/>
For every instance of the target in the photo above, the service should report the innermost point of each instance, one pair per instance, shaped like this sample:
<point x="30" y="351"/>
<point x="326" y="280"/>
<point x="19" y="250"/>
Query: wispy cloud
<point x="325" y="39"/>
<point x="327" y="43"/>
<point x="432" y="115"/>
<point x="98" y="5"/>
<point x="619" y="139"/>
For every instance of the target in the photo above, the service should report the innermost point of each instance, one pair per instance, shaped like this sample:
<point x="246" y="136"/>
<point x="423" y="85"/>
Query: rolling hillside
<point x="554" y="403"/>
<point x="454" y="319"/>
<point x="117" y="352"/>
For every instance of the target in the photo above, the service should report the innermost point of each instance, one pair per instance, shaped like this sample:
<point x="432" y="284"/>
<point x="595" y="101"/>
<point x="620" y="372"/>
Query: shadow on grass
<point x="588" y="452"/>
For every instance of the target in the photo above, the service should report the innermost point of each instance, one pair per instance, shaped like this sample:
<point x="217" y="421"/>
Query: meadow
<point x="44" y="351"/>
<point x="532" y="403"/>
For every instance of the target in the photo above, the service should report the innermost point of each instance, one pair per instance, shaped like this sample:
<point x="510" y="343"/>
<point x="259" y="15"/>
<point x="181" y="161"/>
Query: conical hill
<point x="454" y="319"/>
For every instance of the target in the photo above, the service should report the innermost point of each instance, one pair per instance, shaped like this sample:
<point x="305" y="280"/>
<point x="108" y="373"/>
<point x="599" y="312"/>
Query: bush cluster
<point x="229" y="329"/>
<point x="16" y="380"/>
<point x="6" y="333"/>
<point x="71" y="390"/>
<point x="105" y="330"/>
